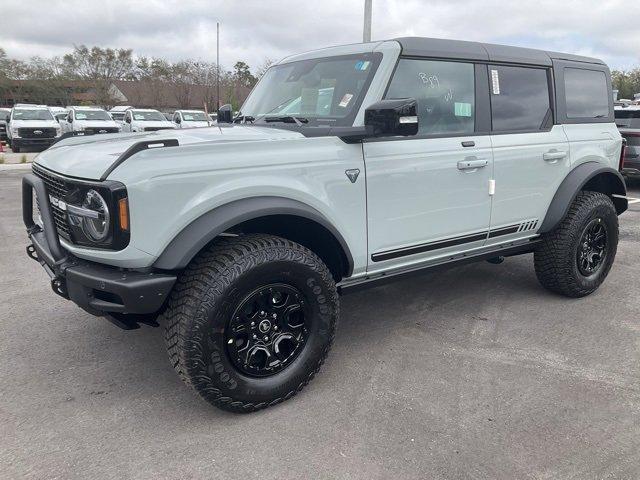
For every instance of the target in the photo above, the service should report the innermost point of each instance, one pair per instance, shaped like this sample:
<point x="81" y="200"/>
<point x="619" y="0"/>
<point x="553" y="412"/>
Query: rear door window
<point x="444" y="91"/>
<point x="586" y="93"/>
<point x="520" y="98"/>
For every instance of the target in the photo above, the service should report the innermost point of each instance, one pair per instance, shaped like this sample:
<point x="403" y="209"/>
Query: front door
<point x="428" y="195"/>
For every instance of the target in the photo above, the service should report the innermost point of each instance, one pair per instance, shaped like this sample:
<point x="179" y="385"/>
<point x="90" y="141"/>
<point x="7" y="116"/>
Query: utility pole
<point x="217" y="66"/>
<point x="366" y="33"/>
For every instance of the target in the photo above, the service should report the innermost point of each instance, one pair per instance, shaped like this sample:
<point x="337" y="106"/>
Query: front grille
<point x="31" y="132"/>
<point x="155" y="129"/>
<point x="97" y="130"/>
<point x="56" y="187"/>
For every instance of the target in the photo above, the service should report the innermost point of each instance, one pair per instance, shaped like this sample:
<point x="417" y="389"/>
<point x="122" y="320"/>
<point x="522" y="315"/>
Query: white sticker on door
<point x="495" y="82"/>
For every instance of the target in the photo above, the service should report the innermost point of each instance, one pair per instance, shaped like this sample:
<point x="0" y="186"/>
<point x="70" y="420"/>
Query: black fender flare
<point x="574" y="182"/>
<point x="193" y="238"/>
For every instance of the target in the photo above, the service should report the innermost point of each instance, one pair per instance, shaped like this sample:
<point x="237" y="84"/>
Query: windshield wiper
<point x="287" y="119"/>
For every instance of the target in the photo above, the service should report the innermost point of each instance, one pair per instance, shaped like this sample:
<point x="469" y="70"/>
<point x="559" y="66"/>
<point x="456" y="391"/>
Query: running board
<point x="382" y="278"/>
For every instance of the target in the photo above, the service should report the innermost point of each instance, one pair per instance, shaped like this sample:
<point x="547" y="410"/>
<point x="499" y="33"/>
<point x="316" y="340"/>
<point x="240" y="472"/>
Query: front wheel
<point x="250" y="321"/>
<point x="575" y="258"/>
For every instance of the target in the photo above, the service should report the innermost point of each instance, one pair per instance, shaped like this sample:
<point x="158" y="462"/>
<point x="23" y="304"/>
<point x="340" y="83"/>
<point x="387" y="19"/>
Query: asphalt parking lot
<point x="476" y="372"/>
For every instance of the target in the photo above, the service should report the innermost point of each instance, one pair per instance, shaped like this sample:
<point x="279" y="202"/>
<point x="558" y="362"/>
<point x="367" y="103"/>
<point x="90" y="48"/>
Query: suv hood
<point x="195" y="124"/>
<point x="153" y="123"/>
<point x="34" y="124"/>
<point x="89" y="157"/>
<point x="97" y="124"/>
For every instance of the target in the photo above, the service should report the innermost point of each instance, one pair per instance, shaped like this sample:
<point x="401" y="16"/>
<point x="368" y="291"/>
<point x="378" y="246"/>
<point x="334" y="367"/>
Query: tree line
<point x="626" y="82"/>
<point x="52" y="80"/>
<point x="48" y="80"/>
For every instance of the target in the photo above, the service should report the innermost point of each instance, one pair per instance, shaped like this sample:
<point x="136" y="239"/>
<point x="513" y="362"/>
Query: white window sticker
<point x="138" y="116"/>
<point x="345" y="100"/>
<point x="495" y="82"/>
<point x="462" y="109"/>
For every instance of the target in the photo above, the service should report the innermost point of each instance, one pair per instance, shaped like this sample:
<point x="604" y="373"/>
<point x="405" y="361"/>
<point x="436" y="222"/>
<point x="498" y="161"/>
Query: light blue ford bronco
<point x="345" y="167"/>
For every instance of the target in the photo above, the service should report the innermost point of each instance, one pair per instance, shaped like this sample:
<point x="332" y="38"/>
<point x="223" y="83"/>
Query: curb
<point x="15" y="166"/>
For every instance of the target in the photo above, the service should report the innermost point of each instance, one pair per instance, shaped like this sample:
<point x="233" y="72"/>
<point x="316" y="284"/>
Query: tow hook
<point x="59" y="286"/>
<point x="31" y="252"/>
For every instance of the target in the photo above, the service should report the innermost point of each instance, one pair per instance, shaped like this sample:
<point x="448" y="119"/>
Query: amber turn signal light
<point x="123" y="214"/>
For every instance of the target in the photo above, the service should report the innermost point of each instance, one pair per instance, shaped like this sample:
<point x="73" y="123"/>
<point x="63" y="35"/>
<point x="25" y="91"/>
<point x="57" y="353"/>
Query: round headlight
<point x="96" y="229"/>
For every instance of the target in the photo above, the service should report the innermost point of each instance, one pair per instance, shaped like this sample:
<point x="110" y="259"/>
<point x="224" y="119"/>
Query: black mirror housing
<point x="127" y="119"/>
<point x="391" y="118"/>
<point x="225" y="114"/>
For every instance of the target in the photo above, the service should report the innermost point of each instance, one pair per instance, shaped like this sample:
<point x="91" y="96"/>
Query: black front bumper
<point x="98" y="289"/>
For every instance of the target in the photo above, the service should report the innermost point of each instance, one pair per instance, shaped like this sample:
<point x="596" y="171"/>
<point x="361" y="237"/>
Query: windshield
<point x="92" y="115"/>
<point x="194" y="116"/>
<point x="628" y="118"/>
<point x="326" y="91"/>
<point x="35" y="114"/>
<point x="148" y="116"/>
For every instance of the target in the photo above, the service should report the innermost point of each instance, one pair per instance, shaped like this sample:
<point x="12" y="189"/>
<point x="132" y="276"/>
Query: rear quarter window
<point x="586" y="93"/>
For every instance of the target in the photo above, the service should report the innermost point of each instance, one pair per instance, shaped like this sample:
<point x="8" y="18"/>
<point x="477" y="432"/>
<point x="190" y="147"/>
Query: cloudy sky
<point x="254" y="30"/>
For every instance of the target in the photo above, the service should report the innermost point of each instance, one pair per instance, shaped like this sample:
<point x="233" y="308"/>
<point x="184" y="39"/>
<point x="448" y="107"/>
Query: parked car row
<point x="27" y="125"/>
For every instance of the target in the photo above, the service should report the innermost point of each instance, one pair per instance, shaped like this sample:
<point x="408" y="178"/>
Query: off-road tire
<point x="207" y="293"/>
<point x="555" y="259"/>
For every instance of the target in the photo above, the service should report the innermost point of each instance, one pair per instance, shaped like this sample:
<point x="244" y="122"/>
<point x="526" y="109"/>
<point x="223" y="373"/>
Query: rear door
<point x="531" y="154"/>
<point x="428" y="195"/>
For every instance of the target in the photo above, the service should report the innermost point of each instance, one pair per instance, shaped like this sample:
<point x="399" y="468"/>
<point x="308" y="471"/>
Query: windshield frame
<point x="325" y="121"/>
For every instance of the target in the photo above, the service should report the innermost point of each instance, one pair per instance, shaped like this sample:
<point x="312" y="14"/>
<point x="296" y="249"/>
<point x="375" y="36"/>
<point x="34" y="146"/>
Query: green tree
<point x="242" y="74"/>
<point x="100" y="67"/>
<point x="626" y="82"/>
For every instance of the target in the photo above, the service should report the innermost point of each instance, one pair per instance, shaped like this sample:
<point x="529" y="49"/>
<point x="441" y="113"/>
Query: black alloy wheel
<point x="592" y="248"/>
<point x="267" y="330"/>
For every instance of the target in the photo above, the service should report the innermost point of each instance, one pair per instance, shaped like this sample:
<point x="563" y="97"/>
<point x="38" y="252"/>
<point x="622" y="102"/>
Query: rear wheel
<point x="575" y="258"/>
<point x="250" y="321"/>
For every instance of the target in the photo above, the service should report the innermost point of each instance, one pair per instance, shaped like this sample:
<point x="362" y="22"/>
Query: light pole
<point x="366" y="33"/>
<point x="217" y="66"/>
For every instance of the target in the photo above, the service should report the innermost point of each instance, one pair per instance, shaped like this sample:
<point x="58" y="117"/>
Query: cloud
<point x="254" y="30"/>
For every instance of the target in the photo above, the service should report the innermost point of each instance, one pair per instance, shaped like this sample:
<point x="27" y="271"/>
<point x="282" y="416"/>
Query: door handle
<point x="553" y="156"/>
<point x="472" y="163"/>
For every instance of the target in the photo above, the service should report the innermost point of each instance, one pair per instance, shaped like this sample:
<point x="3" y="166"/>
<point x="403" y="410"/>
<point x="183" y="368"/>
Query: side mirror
<point x="127" y="119"/>
<point x="225" y="114"/>
<point x="8" y="119"/>
<point x="178" y="120"/>
<point x="391" y="118"/>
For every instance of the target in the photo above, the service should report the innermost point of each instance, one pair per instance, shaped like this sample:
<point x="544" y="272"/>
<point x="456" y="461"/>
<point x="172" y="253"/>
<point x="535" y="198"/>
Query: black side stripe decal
<point x="504" y="231"/>
<point x="451" y="242"/>
<point x="427" y="247"/>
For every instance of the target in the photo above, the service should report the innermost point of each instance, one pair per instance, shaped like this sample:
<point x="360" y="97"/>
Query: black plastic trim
<point x="138" y="147"/>
<point x="382" y="279"/>
<point x="573" y="184"/>
<point x="186" y="244"/>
